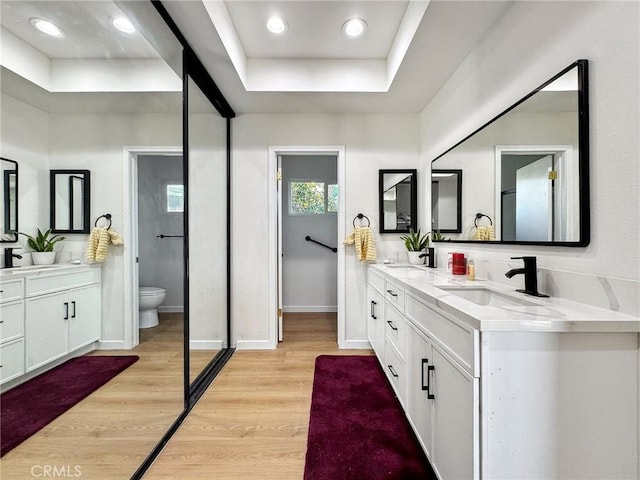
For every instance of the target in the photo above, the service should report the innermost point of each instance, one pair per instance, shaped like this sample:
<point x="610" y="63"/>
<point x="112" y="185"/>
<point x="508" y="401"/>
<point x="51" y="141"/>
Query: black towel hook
<point x="107" y="216"/>
<point x="479" y="216"/>
<point x="361" y="216"/>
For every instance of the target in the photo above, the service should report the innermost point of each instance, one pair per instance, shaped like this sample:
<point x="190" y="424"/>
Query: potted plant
<point x="415" y="243"/>
<point x="42" y="245"/>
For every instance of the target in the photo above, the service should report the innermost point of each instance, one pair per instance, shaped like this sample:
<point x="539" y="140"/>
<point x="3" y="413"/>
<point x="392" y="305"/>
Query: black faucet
<point x="431" y="257"/>
<point x="530" y="272"/>
<point x="8" y="257"/>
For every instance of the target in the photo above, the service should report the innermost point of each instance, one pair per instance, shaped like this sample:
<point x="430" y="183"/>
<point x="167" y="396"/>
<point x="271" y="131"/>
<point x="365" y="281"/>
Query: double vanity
<point x="498" y="384"/>
<point x="48" y="313"/>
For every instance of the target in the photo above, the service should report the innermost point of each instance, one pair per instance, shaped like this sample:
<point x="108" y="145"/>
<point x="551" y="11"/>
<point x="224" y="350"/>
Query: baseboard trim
<point x="254" y="345"/>
<point x="171" y="309"/>
<point x="312" y="309"/>
<point x="112" y="345"/>
<point x="206" y="344"/>
<point x="355" y="345"/>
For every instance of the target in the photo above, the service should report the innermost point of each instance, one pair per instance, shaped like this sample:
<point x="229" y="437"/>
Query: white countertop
<point x="20" y="272"/>
<point x="541" y="315"/>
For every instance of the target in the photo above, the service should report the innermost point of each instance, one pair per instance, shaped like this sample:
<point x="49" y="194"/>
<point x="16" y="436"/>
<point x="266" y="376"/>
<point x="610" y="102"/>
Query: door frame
<point x="568" y="197"/>
<point x="130" y="235"/>
<point x="274" y="152"/>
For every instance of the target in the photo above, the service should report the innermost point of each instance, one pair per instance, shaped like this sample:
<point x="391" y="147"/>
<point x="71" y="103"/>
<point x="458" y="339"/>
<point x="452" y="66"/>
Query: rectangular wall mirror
<point x="70" y="201"/>
<point x="528" y="168"/>
<point x="398" y="200"/>
<point x="9" y="212"/>
<point x="446" y="201"/>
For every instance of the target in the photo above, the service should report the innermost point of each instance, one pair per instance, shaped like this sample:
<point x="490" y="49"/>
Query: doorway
<point x="307" y="224"/>
<point x="151" y="169"/>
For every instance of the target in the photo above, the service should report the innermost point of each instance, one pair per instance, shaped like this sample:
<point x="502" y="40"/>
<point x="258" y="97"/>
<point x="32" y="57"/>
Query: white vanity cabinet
<point x="11" y="330"/>
<point x="550" y="392"/>
<point x="63" y="313"/>
<point x="375" y="310"/>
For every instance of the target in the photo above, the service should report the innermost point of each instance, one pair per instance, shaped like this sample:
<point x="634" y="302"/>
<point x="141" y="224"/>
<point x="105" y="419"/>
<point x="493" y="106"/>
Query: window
<point x="332" y="198"/>
<point x="312" y="198"/>
<point x="175" y="198"/>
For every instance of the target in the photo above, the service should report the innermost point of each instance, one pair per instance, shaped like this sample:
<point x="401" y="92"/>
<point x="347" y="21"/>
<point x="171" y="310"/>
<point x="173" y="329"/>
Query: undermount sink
<point x="487" y="296"/>
<point x="404" y="267"/>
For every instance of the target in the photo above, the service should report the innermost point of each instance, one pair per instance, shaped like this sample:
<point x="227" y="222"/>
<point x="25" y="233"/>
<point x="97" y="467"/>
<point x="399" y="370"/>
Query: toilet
<point x="149" y="298"/>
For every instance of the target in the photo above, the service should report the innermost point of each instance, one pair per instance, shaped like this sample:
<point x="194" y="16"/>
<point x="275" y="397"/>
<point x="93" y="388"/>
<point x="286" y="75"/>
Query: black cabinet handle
<point x="430" y="368"/>
<point x="373" y="310"/>
<point x="392" y="293"/>
<point x="393" y="327"/>
<point x="73" y="315"/>
<point x="425" y="388"/>
<point x="66" y="310"/>
<point x="393" y="372"/>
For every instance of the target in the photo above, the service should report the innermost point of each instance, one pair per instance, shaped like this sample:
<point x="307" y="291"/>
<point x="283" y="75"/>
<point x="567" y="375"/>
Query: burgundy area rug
<point x="28" y="407"/>
<point x="357" y="429"/>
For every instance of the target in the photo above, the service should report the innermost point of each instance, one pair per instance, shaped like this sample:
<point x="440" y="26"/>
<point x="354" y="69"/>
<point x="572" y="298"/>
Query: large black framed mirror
<point x="446" y="201"/>
<point x="9" y="223"/>
<point x="70" y="201"/>
<point x="398" y="200"/>
<point x="529" y="167"/>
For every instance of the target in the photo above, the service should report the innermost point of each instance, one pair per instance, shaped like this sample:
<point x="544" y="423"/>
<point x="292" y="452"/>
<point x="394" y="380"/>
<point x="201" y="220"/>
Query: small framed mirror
<point x="9" y="223"/>
<point x="70" y="197"/>
<point x="446" y="201"/>
<point x="398" y="200"/>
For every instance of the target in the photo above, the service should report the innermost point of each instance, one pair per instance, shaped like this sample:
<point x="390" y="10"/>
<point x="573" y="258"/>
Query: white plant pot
<point x="414" y="258"/>
<point x="43" y="258"/>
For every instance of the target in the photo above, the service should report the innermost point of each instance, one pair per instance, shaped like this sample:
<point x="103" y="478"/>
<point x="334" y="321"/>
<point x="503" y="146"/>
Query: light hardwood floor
<point x="110" y="433"/>
<point x="252" y="422"/>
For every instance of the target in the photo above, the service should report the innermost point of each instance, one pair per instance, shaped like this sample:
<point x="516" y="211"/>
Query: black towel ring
<point x="107" y="216"/>
<point x="361" y="216"/>
<point x="479" y="216"/>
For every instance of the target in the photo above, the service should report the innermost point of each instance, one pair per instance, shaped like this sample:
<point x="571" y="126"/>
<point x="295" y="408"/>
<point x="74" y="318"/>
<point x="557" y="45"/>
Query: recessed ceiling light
<point x="276" y="25"/>
<point x="45" y="26"/>
<point x="354" y="27"/>
<point x="123" y="24"/>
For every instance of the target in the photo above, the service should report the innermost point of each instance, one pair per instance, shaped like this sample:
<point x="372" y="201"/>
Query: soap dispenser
<point x="471" y="270"/>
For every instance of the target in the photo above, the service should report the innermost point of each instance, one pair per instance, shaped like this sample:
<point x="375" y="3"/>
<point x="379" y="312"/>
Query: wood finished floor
<point x="253" y="420"/>
<point x="110" y="433"/>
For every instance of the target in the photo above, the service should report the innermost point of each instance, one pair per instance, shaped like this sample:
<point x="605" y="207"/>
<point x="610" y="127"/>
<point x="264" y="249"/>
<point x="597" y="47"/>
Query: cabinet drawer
<point x="396" y="371"/>
<point x="11" y="290"/>
<point x="456" y="339"/>
<point x="11" y="320"/>
<point x="394" y="294"/>
<point x="375" y="279"/>
<point x="38" y="285"/>
<point x="11" y="360"/>
<point x="396" y="330"/>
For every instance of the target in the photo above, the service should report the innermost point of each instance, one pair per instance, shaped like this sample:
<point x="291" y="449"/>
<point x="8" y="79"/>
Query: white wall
<point x="161" y="259"/>
<point x="309" y="271"/>
<point x="25" y="139"/>
<point x="372" y="142"/>
<point x="532" y="42"/>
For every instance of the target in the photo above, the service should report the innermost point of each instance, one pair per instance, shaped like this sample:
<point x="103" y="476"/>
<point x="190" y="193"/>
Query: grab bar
<point x="309" y="239"/>
<point x="169" y="236"/>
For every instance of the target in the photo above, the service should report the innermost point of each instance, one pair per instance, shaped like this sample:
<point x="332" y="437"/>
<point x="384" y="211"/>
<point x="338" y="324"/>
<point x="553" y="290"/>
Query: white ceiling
<point x="440" y="38"/>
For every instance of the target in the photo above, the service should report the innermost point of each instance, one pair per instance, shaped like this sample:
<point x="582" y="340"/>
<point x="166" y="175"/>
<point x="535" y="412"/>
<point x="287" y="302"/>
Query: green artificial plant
<point x="42" y="242"/>
<point x="436" y="235"/>
<point x="414" y="242"/>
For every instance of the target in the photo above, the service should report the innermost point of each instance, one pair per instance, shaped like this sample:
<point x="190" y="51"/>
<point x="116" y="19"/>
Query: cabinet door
<point x="46" y="329"/>
<point x="84" y="316"/>
<point x="375" y="320"/>
<point x="419" y="405"/>
<point x="455" y="419"/>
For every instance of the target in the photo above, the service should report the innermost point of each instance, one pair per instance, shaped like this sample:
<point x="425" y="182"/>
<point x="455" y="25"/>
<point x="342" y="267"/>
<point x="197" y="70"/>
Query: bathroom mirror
<point x="70" y="201"/>
<point x="446" y="201"/>
<point x="9" y="201"/>
<point x="397" y="200"/>
<point x="528" y="168"/>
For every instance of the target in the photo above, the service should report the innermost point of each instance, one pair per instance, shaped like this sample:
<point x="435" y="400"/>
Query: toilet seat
<point x="144" y="291"/>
